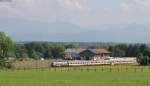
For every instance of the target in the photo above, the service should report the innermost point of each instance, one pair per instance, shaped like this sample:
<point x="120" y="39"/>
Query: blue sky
<point x="87" y="15"/>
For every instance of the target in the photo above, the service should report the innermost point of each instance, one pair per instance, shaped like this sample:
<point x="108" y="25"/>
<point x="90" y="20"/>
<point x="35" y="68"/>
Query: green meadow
<point x="83" y="76"/>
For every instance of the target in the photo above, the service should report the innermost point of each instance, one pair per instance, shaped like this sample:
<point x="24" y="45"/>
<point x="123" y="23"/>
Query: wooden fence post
<point x="95" y="70"/>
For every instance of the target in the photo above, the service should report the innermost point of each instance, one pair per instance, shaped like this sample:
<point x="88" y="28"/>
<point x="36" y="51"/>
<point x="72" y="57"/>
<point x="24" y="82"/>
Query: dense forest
<point x="56" y="50"/>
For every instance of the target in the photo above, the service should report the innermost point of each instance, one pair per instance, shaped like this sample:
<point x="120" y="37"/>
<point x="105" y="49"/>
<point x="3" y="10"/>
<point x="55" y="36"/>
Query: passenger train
<point x="113" y="61"/>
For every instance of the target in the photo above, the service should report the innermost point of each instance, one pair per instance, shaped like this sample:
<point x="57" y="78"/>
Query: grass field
<point x="83" y="76"/>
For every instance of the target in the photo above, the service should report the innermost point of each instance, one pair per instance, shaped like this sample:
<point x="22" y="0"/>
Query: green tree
<point x="34" y="55"/>
<point x="58" y="51"/>
<point x="139" y="57"/>
<point x="1" y="62"/>
<point x="21" y="52"/>
<point x="143" y="60"/>
<point x="133" y="50"/>
<point x="143" y="48"/>
<point x="6" y="45"/>
<point x="116" y="51"/>
<point x="48" y="53"/>
<point x="71" y="46"/>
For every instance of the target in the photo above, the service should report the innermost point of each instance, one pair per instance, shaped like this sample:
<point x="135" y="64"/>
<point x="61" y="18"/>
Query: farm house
<point x="94" y="54"/>
<point x="87" y="54"/>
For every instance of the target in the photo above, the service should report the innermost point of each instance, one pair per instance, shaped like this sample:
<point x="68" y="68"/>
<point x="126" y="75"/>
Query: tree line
<point x="37" y="50"/>
<point x="33" y="50"/>
<point x="46" y="50"/>
<point x="140" y="51"/>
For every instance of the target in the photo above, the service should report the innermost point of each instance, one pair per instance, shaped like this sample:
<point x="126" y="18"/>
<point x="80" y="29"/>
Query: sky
<point x="81" y="15"/>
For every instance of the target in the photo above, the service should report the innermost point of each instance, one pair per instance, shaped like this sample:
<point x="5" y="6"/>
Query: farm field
<point x="78" y="76"/>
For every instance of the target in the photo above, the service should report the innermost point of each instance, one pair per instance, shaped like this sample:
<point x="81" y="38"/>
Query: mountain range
<point x="25" y="30"/>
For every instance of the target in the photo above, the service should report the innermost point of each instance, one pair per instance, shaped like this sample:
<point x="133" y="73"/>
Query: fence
<point x="46" y="65"/>
<point x="35" y="64"/>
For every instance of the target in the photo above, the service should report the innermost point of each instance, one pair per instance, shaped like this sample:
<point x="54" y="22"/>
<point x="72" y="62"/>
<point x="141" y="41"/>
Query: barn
<point x="94" y="54"/>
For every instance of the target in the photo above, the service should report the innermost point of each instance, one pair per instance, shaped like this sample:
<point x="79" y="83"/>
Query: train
<point x="113" y="61"/>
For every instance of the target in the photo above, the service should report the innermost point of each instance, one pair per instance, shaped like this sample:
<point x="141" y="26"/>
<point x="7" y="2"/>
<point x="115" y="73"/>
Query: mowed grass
<point x="83" y="76"/>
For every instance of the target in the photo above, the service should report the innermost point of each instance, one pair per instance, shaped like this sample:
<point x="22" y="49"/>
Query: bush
<point x="1" y="62"/>
<point x="143" y="60"/>
<point x="8" y="65"/>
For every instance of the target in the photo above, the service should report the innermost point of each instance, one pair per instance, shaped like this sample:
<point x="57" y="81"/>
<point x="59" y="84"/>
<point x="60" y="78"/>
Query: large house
<point x="73" y="53"/>
<point x="87" y="54"/>
<point x="94" y="54"/>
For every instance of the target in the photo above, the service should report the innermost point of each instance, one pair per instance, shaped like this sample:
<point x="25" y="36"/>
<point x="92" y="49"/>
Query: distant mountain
<point x="24" y="30"/>
<point x="32" y="30"/>
<point x="130" y="33"/>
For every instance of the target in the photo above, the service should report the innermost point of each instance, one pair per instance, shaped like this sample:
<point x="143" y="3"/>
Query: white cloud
<point x="85" y="13"/>
<point x="74" y="4"/>
<point x="47" y="5"/>
<point x="134" y="5"/>
<point x="124" y="7"/>
<point x="136" y="8"/>
<point x="44" y="10"/>
<point x="135" y="11"/>
<point x="145" y="3"/>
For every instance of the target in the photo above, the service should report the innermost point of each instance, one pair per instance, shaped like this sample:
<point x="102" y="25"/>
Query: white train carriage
<point x="113" y="61"/>
<point x="81" y="63"/>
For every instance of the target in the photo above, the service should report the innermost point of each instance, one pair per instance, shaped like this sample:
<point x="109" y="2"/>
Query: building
<point x="94" y="54"/>
<point x="73" y="53"/>
<point x="87" y="54"/>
